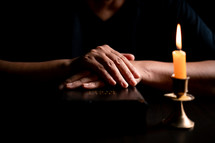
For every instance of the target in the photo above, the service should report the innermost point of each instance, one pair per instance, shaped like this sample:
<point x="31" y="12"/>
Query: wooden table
<point x="132" y="115"/>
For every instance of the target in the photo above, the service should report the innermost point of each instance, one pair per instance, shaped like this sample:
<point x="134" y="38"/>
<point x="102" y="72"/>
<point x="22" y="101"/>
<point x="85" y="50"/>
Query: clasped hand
<point x="103" y="65"/>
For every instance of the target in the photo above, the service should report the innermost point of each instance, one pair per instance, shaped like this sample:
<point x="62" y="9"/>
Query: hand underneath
<point x="84" y="79"/>
<point x="112" y="66"/>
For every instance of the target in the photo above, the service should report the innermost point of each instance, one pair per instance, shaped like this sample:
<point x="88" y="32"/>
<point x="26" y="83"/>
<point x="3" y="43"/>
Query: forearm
<point x="155" y="74"/>
<point x="202" y="77"/>
<point x="39" y="71"/>
<point x="158" y="75"/>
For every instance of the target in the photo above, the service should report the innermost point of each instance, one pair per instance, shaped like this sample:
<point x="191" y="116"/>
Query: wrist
<point x="155" y="74"/>
<point x="143" y="67"/>
<point x="72" y="65"/>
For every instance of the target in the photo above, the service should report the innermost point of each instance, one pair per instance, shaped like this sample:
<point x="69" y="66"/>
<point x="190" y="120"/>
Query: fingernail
<point x="124" y="84"/>
<point x="112" y="82"/>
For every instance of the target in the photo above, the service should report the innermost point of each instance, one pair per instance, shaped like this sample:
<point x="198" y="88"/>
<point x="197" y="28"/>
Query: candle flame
<point x="178" y="37"/>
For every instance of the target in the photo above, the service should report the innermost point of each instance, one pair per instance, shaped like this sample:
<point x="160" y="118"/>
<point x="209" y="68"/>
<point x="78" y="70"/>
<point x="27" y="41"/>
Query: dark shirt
<point x="143" y="27"/>
<point x="147" y="29"/>
<point x="116" y="31"/>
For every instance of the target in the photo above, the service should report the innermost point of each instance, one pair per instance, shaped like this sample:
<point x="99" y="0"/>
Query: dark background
<point x="36" y="24"/>
<point x="205" y="9"/>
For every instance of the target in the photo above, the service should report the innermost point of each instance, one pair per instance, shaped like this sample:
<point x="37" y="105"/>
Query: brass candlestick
<point x="179" y="118"/>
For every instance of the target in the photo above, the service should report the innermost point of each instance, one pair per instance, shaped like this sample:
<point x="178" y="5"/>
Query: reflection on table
<point x="104" y="94"/>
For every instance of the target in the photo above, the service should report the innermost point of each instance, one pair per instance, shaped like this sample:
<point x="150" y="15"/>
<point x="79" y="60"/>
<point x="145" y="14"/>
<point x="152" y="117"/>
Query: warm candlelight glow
<point x="179" y="57"/>
<point x="178" y="37"/>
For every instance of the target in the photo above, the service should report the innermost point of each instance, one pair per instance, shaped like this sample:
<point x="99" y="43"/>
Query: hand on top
<point x="112" y="66"/>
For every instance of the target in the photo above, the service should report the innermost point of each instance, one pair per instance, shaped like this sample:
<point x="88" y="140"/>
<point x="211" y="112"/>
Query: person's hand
<point x="111" y="65"/>
<point x="83" y="79"/>
<point x="86" y="80"/>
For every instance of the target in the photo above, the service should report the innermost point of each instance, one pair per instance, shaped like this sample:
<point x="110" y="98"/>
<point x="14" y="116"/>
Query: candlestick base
<point x="186" y="97"/>
<point x="179" y="118"/>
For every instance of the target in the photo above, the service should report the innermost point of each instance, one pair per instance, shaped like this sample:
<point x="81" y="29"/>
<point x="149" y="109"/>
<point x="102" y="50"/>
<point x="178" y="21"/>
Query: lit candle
<point x="179" y="57"/>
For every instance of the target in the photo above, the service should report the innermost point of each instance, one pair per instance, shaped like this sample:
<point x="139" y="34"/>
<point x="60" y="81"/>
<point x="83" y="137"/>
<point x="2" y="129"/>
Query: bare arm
<point x="157" y="74"/>
<point x="54" y="70"/>
<point x="38" y="71"/>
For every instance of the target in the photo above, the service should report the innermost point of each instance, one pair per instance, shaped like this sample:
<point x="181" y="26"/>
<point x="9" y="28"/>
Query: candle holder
<point x="179" y="118"/>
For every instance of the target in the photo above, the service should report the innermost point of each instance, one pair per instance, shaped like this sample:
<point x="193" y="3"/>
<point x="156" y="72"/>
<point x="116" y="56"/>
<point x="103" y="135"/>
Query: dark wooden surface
<point x="91" y="118"/>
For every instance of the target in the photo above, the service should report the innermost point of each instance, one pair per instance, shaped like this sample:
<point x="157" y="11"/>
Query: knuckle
<point x="87" y="57"/>
<point x="110" y="64"/>
<point x="123" y="58"/>
<point x="100" y="47"/>
<point x="109" y="49"/>
<point x="102" y="55"/>
<point x="93" y="51"/>
<point x="100" y="67"/>
<point x="107" y="46"/>
<point x="118" y="61"/>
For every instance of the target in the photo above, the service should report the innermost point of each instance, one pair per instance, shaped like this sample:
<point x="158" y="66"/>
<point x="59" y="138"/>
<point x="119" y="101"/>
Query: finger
<point x="124" y="70"/>
<point x="130" y="57"/>
<point x="73" y="85"/>
<point x="73" y="78"/>
<point x="80" y="82"/>
<point x="100" y="69"/>
<point x="114" y="65"/>
<point x="113" y="70"/>
<point x="93" y="85"/>
<point x="132" y="69"/>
